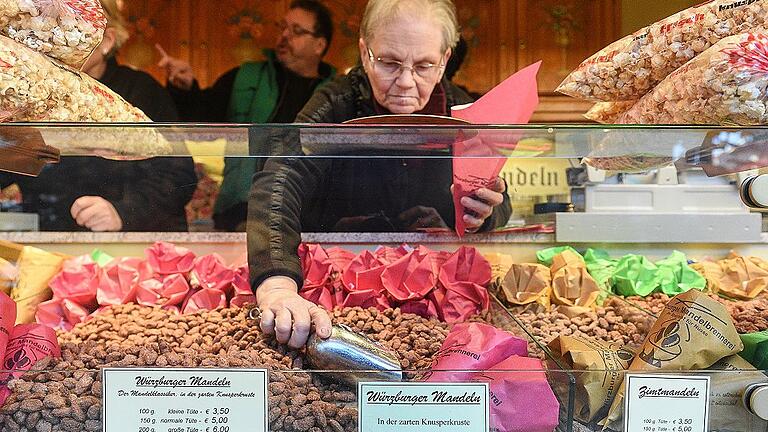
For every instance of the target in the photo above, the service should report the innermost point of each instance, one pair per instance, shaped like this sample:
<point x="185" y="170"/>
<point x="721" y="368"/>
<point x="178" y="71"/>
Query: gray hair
<point x="381" y="12"/>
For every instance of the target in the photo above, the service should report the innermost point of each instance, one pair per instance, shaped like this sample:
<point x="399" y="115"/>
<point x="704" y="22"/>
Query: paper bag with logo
<point x="572" y="286"/>
<point x="36" y="269"/>
<point x="521" y="399"/>
<point x="742" y="278"/>
<point x="29" y="343"/>
<point x="693" y="332"/>
<point x="729" y="378"/>
<point x="603" y="368"/>
<point x="471" y="347"/>
<point x="527" y="284"/>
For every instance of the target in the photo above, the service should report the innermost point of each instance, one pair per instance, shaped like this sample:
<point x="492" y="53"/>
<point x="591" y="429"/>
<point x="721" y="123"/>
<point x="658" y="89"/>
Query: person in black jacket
<point x="91" y="193"/>
<point x="404" y="46"/>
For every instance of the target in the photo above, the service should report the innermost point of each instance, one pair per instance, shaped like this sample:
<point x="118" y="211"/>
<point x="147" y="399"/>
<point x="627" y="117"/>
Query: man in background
<point x="269" y="91"/>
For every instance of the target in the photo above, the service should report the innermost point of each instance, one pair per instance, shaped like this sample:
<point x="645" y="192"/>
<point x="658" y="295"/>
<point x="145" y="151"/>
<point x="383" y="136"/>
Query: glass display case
<point x="622" y="252"/>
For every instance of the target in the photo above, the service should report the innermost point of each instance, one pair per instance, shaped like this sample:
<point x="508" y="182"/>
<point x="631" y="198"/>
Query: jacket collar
<point x="325" y="70"/>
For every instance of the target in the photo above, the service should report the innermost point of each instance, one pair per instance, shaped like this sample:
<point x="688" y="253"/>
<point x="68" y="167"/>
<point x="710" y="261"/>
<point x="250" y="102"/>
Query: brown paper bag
<point x="742" y="278"/>
<point x="727" y="412"/>
<point x="712" y="272"/>
<point x="8" y="274"/>
<point x="603" y="365"/>
<point x="693" y="332"/>
<point x="36" y="268"/>
<point x="500" y="265"/>
<point x="572" y="284"/>
<point x="526" y="284"/>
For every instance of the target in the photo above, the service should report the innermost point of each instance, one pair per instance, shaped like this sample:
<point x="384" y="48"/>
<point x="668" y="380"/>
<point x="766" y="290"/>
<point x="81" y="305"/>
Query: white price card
<point x="184" y="400"/>
<point x="666" y="403"/>
<point x="444" y="407"/>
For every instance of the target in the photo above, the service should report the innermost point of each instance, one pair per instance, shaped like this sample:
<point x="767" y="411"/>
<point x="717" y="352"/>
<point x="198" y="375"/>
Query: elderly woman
<point x="404" y="46"/>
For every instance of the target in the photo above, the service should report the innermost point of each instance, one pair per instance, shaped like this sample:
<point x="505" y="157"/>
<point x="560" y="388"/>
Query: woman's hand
<point x="287" y="315"/>
<point x="96" y="214"/>
<point x="479" y="206"/>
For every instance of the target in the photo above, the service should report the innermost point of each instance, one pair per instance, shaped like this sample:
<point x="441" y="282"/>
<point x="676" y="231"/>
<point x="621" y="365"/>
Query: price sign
<point x="184" y="400"/>
<point x="666" y="403"/>
<point x="416" y="407"/>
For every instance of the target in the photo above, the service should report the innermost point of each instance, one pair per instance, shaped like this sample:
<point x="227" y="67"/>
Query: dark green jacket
<point x="253" y="99"/>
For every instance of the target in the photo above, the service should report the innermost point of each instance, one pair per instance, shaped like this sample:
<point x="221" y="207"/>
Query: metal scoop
<point x="350" y="356"/>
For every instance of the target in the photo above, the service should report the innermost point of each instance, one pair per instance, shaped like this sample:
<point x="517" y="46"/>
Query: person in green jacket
<point x="269" y="91"/>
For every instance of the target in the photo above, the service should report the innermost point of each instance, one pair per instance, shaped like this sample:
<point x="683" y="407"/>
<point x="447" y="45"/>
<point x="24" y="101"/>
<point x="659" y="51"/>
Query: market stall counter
<point x="511" y="328"/>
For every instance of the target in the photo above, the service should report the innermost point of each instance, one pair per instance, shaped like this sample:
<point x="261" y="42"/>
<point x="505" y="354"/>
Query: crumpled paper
<point x="636" y="275"/>
<point x="756" y="349"/>
<point x="572" y="286"/>
<point x="51" y="314"/>
<point x="742" y="278"/>
<point x="464" y="276"/>
<point x="210" y="272"/>
<point x="77" y="281"/>
<point x="166" y="258"/>
<point x="545" y="256"/>
<point x="241" y="286"/>
<point x="409" y="278"/>
<point x="204" y="300"/>
<point x="712" y="273"/>
<point x="170" y="291"/>
<point x="527" y="283"/>
<point x="119" y="280"/>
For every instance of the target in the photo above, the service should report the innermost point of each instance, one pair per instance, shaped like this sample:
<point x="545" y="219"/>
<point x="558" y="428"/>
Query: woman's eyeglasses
<point x="390" y="69"/>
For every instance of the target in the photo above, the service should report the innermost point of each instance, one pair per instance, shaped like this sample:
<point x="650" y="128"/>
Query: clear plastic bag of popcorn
<point x="67" y="30"/>
<point x="725" y="85"/>
<point x="36" y="88"/>
<point x="608" y="112"/>
<point x="630" y="67"/>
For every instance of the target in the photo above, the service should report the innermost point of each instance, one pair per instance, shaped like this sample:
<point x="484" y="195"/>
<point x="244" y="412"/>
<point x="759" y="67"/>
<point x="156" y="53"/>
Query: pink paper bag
<point x="166" y="258"/>
<point x="51" y="314"/>
<point x="241" y="285"/>
<point x="78" y="281"/>
<point x="28" y="344"/>
<point x="521" y="398"/>
<point x="204" y="300"/>
<point x="210" y="272"/>
<point x="170" y="291"/>
<point x="7" y="320"/>
<point x="409" y="278"/>
<point x="465" y="276"/>
<point x="119" y="280"/>
<point x="472" y="347"/>
<point x="475" y="163"/>
<point x="364" y="273"/>
<point x="74" y="313"/>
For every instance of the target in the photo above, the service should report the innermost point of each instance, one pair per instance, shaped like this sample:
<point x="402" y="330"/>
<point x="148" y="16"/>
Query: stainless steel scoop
<point x="350" y="357"/>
